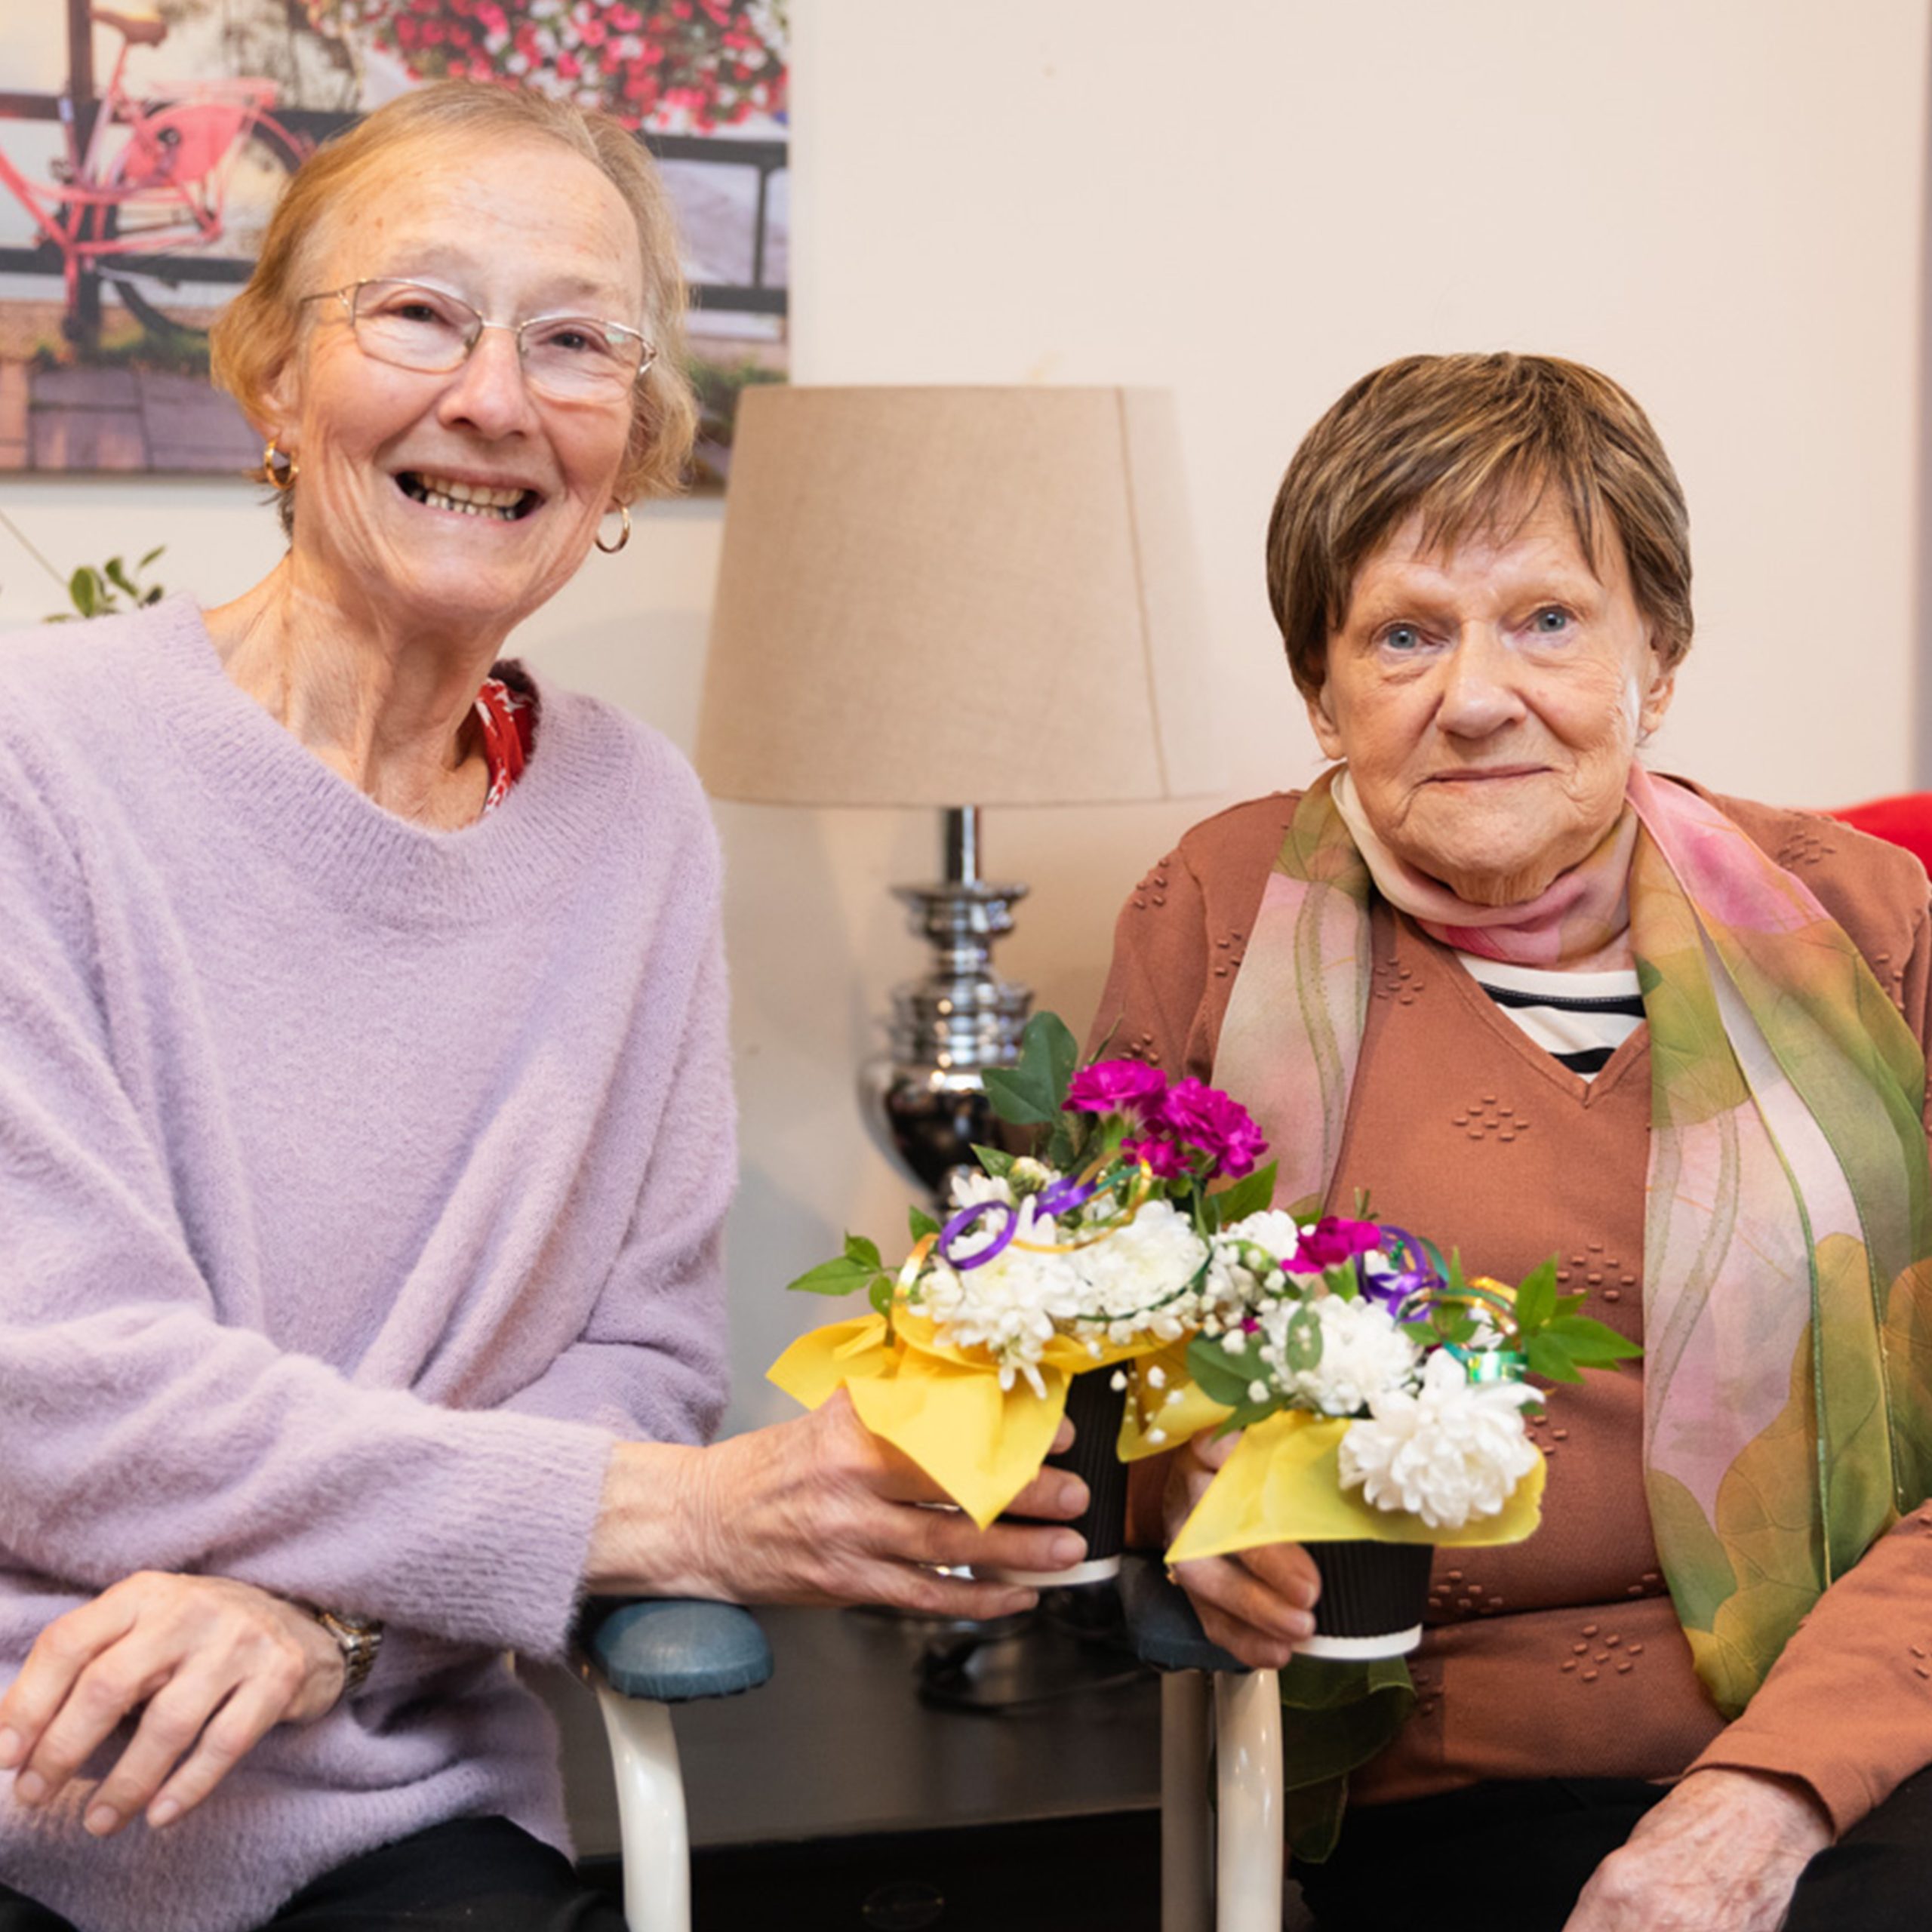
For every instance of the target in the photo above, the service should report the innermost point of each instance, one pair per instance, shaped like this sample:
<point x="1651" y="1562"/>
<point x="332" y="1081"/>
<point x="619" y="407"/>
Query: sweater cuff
<point x="1845" y="1795"/>
<point x="517" y="1532"/>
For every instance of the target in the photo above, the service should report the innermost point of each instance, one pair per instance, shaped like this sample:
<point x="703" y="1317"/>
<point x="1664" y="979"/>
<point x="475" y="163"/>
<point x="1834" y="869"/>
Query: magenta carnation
<point x="1164" y="1159"/>
<point x="1331" y="1242"/>
<point x="1204" y="1117"/>
<point x="1117" y="1086"/>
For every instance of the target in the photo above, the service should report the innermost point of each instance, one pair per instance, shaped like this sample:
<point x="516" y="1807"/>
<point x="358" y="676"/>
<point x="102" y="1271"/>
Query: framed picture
<point x="142" y="150"/>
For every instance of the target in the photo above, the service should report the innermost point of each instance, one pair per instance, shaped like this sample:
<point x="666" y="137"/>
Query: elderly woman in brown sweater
<point x="1539" y="1001"/>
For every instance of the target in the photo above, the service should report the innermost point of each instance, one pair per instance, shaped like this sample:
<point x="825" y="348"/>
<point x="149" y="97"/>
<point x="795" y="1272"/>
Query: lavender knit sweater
<point x="357" y="1183"/>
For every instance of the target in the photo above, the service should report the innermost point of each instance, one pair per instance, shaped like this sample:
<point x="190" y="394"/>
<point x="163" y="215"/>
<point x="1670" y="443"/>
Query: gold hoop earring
<point x="281" y="480"/>
<point x="623" y="535"/>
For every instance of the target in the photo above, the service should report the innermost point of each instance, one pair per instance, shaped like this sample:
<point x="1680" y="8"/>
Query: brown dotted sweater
<point x="1561" y="1657"/>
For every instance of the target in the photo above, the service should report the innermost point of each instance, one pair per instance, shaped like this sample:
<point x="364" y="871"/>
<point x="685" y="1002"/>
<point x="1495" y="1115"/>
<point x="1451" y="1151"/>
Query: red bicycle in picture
<point x="167" y="197"/>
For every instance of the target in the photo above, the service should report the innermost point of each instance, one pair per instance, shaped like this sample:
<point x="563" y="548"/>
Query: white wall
<point x="1717" y="200"/>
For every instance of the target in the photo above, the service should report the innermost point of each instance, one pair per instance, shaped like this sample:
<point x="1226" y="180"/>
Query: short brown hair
<point x="1464" y="440"/>
<point x="253" y="340"/>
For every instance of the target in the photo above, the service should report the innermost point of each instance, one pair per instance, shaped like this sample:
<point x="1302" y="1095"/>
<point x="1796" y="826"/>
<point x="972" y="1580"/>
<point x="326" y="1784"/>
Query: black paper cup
<point x="1373" y="1598"/>
<point x="1094" y="1408"/>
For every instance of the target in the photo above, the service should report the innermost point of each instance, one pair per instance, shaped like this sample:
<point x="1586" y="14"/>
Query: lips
<point x="504" y="503"/>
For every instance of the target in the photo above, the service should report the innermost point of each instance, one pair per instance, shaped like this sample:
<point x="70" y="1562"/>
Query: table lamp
<point x="955" y="598"/>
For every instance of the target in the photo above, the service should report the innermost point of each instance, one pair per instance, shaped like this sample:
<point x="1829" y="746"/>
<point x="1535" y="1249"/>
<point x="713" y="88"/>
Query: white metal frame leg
<point x="650" y="1812"/>
<point x="1187" y="1869"/>
<point x="1249" y="1857"/>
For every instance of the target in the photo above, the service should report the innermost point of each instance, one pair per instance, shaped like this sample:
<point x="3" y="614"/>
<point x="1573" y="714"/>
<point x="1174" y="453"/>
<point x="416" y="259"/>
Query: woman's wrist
<point x="647" y="1540"/>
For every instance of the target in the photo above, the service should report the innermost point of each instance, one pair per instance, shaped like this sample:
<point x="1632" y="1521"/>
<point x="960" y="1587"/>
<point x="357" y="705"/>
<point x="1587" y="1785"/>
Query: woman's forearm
<point x="815" y="1510"/>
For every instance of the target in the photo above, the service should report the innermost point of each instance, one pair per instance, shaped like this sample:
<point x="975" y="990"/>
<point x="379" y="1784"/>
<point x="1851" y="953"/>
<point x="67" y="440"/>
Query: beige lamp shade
<point x="943" y="596"/>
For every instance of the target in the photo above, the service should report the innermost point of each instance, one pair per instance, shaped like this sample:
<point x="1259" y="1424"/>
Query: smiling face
<point x="455" y="504"/>
<point x="1489" y="701"/>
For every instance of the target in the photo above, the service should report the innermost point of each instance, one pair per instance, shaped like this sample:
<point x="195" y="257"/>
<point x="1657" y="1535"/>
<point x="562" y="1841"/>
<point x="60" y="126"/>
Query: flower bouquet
<point x="1382" y="1397"/>
<point x="1063" y="1274"/>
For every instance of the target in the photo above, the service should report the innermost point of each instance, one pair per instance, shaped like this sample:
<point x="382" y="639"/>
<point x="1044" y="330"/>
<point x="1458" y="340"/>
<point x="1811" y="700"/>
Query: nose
<point x="488" y="392"/>
<point x="1480" y="695"/>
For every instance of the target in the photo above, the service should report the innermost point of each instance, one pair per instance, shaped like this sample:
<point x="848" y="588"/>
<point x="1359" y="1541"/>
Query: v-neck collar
<point x="1633" y="1051"/>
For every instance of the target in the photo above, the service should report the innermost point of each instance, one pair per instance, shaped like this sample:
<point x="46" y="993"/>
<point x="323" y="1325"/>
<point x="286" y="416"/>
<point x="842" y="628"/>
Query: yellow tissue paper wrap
<point x="943" y="1406"/>
<point x="1283" y="1484"/>
<point x="1161" y="1417"/>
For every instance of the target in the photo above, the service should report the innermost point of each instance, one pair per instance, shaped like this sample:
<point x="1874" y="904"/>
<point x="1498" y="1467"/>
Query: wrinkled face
<point x="1489" y="701"/>
<point x="458" y="502"/>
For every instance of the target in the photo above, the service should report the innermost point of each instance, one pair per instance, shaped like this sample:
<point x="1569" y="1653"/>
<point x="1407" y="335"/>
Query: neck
<point x="388" y="708"/>
<point x="1578" y="922"/>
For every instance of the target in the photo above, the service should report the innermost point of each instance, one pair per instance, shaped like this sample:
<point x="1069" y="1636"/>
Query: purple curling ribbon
<point x="1064" y="1196"/>
<point x="964" y="1220"/>
<point x="1393" y="1292"/>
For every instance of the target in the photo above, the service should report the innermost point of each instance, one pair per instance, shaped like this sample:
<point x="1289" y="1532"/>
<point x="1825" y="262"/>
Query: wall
<point x="1717" y="200"/>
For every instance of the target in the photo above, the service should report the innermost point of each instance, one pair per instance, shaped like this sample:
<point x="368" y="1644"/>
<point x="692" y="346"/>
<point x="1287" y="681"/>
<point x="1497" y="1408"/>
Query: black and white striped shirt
<point x="1580" y="1018"/>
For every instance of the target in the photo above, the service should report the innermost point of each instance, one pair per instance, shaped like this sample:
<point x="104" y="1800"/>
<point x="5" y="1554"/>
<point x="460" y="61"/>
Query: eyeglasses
<point x="566" y="359"/>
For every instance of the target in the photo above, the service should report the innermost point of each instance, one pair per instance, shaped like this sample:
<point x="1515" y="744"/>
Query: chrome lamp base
<point x="924" y="1101"/>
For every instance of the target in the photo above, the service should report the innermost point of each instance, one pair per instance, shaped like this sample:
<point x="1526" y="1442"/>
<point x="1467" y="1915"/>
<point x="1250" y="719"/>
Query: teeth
<point x="445" y="493"/>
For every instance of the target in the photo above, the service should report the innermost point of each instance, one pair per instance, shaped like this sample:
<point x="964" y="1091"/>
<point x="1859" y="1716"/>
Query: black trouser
<point x="484" y="1875"/>
<point x="1515" y="1856"/>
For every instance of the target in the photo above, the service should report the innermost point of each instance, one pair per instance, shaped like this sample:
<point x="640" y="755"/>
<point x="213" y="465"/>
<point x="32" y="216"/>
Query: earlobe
<point x="1322" y="721"/>
<point x="279" y="402"/>
<point x="1656" y="699"/>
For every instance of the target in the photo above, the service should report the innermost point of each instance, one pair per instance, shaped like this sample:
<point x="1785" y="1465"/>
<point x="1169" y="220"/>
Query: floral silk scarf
<point x="1788" y="1238"/>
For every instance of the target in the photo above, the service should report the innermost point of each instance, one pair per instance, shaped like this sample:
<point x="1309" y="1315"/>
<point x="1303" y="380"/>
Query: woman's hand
<point x="1722" y="1853"/>
<point x="218" y="1664"/>
<point x="1259" y="1604"/>
<point x="818" y="1510"/>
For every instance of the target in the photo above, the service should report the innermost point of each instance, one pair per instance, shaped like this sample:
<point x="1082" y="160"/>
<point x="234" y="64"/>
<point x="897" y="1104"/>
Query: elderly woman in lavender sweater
<point x="365" y="1124"/>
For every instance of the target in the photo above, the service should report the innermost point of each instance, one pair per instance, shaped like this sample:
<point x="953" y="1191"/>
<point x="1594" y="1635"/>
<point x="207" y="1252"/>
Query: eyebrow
<point x="574" y="291"/>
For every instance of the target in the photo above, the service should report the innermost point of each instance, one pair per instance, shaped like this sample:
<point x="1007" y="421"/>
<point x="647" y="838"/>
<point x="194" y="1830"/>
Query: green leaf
<point x="1014" y="1100"/>
<point x="880" y="1295"/>
<point x="1223" y="1378"/>
<point x="921" y="1224"/>
<point x="1030" y="1093"/>
<point x="1591" y="1341"/>
<point x="151" y="556"/>
<point x="1250" y="1196"/>
<point x="858" y="1249"/>
<point x="117" y="575"/>
<point x="834" y="1277"/>
<point x="1246" y="1414"/>
<point x="1301" y="1345"/>
<point x="996" y="1161"/>
<point x="1536" y="1299"/>
<point x="1548" y="1358"/>
<point x="83" y="589"/>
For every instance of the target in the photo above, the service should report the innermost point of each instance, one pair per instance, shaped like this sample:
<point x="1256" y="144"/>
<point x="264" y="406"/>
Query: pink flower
<point x="1204" y="1117"/>
<point x="1331" y="1242"/>
<point x="1117" y="1086"/>
<point x="1165" y="1160"/>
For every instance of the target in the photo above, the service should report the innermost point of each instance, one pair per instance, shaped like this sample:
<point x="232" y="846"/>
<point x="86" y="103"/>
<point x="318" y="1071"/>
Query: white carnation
<point x="1280" y="1234"/>
<point x="1364" y="1354"/>
<point x="970" y="1186"/>
<point x="1008" y="1305"/>
<point x="1132" y="1273"/>
<point x="1452" y="1451"/>
<point x="1105" y="1284"/>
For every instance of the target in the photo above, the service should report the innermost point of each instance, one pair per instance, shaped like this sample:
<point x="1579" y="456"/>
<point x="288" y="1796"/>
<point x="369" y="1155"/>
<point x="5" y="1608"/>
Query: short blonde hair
<point x="1465" y="440"/>
<point x="254" y="339"/>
